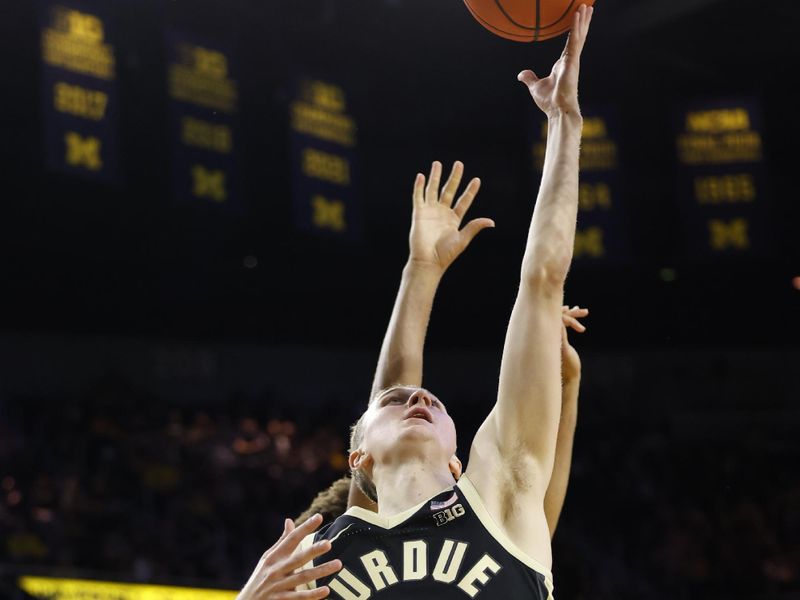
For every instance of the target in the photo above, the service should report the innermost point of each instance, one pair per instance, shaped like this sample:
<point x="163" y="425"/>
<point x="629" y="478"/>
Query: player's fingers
<point x="573" y="45"/>
<point x="583" y="16"/>
<point x="308" y="575"/>
<point x="574" y="324"/>
<point x="527" y="77"/>
<point x="473" y="228"/>
<point x="450" y="188"/>
<point x="303" y="595"/>
<point x="419" y="190"/>
<point x="577" y="311"/>
<point x="297" y="560"/>
<point x="288" y="545"/>
<point x="465" y="200"/>
<point x="287" y="528"/>
<point x="432" y="191"/>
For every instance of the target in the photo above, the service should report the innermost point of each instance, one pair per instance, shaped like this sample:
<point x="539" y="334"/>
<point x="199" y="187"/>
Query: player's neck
<point x="403" y="486"/>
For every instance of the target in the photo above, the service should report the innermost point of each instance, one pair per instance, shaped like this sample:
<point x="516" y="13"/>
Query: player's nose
<point x="420" y="396"/>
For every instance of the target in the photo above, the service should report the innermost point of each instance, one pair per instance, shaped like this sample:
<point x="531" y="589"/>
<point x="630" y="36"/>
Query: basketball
<point x="525" y="20"/>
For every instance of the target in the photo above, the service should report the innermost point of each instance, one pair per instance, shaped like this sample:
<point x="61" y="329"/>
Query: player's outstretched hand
<point x="274" y="577"/>
<point x="435" y="239"/>
<point x="557" y="93"/>
<point x="570" y="361"/>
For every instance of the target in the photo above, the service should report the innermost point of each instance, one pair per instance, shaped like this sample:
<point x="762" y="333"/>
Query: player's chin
<point x="421" y="435"/>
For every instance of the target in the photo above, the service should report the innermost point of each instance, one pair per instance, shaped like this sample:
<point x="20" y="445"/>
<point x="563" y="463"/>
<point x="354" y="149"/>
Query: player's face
<point x="409" y="419"/>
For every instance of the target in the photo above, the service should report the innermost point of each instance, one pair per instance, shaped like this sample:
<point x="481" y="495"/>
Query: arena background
<point x="192" y="315"/>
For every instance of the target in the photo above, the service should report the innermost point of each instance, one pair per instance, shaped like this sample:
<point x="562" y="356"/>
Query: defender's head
<point x="402" y="423"/>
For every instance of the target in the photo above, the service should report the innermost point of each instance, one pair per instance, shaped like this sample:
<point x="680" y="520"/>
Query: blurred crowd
<point x="130" y="487"/>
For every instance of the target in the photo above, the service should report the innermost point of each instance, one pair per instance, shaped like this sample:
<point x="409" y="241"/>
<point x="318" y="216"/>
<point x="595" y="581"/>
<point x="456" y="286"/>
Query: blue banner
<point x="79" y="92"/>
<point x="204" y="100"/>
<point x="324" y="161"/>
<point x="721" y="179"/>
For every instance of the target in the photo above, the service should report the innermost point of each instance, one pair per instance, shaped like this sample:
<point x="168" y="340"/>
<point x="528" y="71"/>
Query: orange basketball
<point x="525" y="20"/>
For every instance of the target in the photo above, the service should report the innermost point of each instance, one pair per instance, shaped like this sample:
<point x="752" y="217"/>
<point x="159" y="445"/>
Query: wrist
<point x="567" y="115"/>
<point x="424" y="268"/>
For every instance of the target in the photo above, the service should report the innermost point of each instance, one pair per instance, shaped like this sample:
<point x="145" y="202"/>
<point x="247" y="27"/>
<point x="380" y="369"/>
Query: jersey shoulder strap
<point x="476" y="503"/>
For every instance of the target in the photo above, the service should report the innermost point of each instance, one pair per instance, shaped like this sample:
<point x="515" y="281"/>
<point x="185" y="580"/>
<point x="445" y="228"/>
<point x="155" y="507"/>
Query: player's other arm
<point x="435" y="241"/>
<point x="571" y="381"/>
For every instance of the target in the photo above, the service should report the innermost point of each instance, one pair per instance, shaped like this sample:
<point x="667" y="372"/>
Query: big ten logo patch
<point x="448" y="514"/>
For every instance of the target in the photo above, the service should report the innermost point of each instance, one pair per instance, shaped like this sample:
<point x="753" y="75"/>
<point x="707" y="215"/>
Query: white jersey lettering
<point x="449" y="561"/>
<point x="358" y="590"/>
<point x="478" y="573"/>
<point x="378" y="569"/>
<point x="415" y="560"/>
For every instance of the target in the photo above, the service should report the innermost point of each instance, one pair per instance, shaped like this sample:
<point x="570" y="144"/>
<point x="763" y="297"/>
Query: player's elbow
<point x="546" y="270"/>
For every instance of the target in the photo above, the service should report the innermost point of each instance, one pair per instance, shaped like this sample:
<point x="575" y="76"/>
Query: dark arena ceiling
<point x="423" y="81"/>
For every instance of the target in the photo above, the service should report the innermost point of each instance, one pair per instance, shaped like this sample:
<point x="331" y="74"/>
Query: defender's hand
<point x="435" y="239"/>
<point x="570" y="361"/>
<point x="558" y="93"/>
<point x="275" y="577"/>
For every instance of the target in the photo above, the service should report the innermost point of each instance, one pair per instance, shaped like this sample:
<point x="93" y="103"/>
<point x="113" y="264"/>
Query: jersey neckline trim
<point x="393" y="521"/>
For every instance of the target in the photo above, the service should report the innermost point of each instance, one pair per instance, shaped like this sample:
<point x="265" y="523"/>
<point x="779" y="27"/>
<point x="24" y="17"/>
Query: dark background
<point x="424" y="82"/>
<point x="120" y="306"/>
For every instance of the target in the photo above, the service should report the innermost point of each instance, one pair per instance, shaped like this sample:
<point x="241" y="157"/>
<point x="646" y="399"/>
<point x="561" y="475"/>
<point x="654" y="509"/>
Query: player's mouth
<point x="419" y="412"/>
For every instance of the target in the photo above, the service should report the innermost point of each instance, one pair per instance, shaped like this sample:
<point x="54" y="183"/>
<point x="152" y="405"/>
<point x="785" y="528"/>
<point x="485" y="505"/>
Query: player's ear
<point x="455" y="467"/>
<point x="357" y="459"/>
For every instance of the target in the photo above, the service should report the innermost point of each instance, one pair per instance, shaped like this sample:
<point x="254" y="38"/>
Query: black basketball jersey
<point x="446" y="548"/>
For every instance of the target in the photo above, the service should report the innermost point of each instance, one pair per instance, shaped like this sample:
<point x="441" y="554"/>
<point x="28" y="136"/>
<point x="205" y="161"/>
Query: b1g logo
<point x="449" y="514"/>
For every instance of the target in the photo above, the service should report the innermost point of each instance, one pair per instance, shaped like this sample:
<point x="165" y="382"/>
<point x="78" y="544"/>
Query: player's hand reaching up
<point x="274" y="577"/>
<point x="570" y="361"/>
<point x="558" y="93"/>
<point x="435" y="238"/>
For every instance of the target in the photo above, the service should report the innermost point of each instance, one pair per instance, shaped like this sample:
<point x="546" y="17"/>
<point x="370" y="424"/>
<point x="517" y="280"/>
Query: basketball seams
<point x="520" y="37"/>
<point x="513" y="22"/>
<point x="537" y="32"/>
<point x="567" y="12"/>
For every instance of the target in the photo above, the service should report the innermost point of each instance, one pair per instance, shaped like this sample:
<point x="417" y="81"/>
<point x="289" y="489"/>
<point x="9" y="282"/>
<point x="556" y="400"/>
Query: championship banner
<point x="323" y="151"/>
<point x="204" y="99"/>
<point x="601" y="234"/>
<point x="79" y="93"/>
<point x="721" y="179"/>
<point x="53" y="588"/>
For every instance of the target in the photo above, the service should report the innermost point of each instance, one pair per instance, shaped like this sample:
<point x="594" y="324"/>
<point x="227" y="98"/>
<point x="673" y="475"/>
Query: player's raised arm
<point x="435" y="241"/>
<point x="512" y="456"/>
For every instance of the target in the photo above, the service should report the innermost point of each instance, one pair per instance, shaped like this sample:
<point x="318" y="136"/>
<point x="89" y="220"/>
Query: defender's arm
<point x="571" y="381"/>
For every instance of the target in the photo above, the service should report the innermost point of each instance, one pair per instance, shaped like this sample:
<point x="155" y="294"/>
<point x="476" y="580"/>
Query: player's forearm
<point x="552" y="232"/>
<point x="559" y="480"/>
<point x="400" y="360"/>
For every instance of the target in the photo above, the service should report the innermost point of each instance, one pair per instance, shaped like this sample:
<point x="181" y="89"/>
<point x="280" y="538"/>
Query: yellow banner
<point x="85" y="589"/>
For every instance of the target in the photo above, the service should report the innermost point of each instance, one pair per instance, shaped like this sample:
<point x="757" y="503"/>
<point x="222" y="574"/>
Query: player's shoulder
<point x="330" y="531"/>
